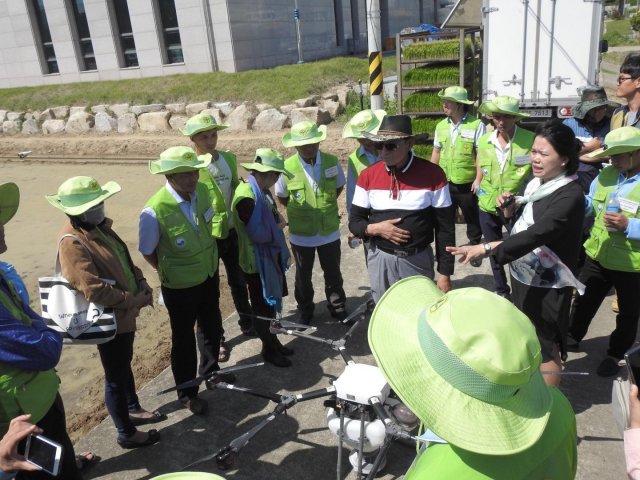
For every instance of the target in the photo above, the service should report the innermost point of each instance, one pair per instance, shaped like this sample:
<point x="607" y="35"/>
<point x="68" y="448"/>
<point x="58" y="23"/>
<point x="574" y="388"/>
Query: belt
<point x="402" y="253"/>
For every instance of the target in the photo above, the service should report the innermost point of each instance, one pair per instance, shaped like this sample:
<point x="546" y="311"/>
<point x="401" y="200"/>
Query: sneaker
<point x="249" y="332"/>
<point x="573" y="345"/>
<point x="339" y="315"/>
<point x="304" y="319"/>
<point x="506" y="295"/>
<point x="609" y="367"/>
<point x="286" y="351"/>
<point x="276" y="358"/>
<point x="197" y="406"/>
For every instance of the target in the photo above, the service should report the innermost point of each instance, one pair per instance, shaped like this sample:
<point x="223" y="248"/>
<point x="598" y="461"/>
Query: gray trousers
<point x="386" y="269"/>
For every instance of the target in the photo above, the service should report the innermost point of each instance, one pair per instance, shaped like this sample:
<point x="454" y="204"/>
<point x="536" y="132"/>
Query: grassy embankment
<point x="618" y="33"/>
<point x="277" y="86"/>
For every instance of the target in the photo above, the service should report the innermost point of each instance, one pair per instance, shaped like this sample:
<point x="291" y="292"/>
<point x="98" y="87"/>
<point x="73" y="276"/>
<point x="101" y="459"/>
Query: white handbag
<point x="67" y="311"/>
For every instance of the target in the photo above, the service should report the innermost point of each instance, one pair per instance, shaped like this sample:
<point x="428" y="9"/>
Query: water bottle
<point x="612" y="206"/>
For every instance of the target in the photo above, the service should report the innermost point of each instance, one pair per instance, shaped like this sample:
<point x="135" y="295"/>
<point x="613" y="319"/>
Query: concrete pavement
<point x="299" y="446"/>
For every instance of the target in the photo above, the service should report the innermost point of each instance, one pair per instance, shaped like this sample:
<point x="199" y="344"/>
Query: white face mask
<point x="94" y="215"/>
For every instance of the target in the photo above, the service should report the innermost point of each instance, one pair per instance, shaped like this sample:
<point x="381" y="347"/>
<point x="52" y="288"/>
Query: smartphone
<point x="508" y="202"/>
<point x="632" y="357"/>
<point x="43" y="453"/>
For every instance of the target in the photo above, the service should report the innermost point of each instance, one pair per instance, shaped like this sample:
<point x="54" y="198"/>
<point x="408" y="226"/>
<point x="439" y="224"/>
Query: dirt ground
<point x="32" y="234"/>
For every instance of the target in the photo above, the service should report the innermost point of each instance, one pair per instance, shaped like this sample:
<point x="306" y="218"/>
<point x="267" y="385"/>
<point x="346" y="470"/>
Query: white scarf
<point x="527" y="269"/>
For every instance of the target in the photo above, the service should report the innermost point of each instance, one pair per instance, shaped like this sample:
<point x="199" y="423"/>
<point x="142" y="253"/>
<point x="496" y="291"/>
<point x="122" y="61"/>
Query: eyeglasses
<point x="621" y="80"/>
<point x="387" y="146"/>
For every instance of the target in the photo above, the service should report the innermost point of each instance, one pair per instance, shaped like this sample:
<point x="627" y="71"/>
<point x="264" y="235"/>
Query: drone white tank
<point x="358" y="383"/>
<point x="374" y="432"/>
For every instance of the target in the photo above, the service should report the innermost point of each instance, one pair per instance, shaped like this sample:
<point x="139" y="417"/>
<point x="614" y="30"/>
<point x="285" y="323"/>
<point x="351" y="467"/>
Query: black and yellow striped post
<point x="375" y="80"/>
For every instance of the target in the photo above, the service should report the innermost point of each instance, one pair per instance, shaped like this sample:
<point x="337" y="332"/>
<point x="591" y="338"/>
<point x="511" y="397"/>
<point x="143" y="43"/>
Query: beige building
<point x="64" y="41"/>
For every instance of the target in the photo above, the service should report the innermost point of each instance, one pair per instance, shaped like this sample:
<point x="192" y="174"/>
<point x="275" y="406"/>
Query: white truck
<point x="542" y="52"/>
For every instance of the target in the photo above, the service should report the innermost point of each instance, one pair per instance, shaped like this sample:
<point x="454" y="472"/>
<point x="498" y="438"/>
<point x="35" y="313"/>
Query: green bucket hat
<point x="79" y="194"/>
<point x="466" y="363"/>
<point x="178" y="160"/>
<point x="455" y="94"/>
<point x="200" y="123"/>
<point x="503" y="104"/>
<point x="304" y="133"/>
<point x="9" y="201"/>
<point x="620" y="140"/>
<point x="268" y="160"/>
<point x="188" y="476"/>
<point x="364" y="121"/>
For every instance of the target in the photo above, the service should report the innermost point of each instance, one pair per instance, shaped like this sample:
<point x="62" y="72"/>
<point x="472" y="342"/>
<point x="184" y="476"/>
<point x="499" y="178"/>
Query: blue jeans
<point x="119" y="384"/>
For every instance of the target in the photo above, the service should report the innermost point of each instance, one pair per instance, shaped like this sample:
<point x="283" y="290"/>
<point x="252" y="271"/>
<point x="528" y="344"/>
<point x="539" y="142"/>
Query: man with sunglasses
<point x="629" y="89"/>
<point x="402" y="204"/>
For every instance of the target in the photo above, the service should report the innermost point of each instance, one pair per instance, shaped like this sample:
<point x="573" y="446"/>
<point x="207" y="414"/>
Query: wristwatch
<point x="487" y="249"/>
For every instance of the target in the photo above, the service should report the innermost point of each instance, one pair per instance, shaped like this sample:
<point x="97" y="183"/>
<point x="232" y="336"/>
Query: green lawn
<point x="277" y="86"/>
<point x="621" y="26"/>
<point x="617" y="31"/>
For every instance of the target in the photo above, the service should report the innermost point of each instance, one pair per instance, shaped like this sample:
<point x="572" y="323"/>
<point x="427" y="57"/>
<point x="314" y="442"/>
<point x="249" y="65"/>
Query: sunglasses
<point x="621" y="80"/>
<point x="387" y="146"/>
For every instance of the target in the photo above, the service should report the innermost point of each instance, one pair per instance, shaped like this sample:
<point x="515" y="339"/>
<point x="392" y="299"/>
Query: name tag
<point x="522" y="160"/>
<point x="208" y="215"/>
<point x="466" y="133"/>
<point x="331" y="172"/>
<point x="629" y="206"/>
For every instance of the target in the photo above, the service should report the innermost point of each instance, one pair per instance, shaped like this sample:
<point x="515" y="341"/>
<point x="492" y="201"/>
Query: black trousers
<point x="187" y="306"/>
<point x="599" y="281"/>
<point x="329" y="256"/>
<point x="54" y="427"/>
<point x="229" y="253"/>
<point x="119" y="384"/>
<point x="463" y="197"/>
<point x="492" y="230"/>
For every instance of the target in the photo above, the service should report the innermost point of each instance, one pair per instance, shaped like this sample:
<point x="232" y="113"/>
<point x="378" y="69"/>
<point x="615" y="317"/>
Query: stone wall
<point x="123" y="118"/>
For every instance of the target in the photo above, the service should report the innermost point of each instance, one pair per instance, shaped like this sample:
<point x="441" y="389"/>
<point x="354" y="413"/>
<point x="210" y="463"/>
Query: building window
<point x="88" y="59"/>
<point x="125" y="32"/>
<point x="51" y="64"/>
<point x="170" y="31"/>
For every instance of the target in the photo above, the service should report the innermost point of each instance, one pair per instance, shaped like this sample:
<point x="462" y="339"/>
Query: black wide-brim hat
<point x="395" y="127"/>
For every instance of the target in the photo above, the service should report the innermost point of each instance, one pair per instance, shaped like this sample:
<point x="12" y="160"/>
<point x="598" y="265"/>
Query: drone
<point x="362" y="410"/>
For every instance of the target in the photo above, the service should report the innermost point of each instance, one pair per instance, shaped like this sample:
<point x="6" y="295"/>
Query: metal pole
<point x="524" y="49"/>
<point x="296" y="16"/>
<point x="552" y="39"/>
<point x="374" y="35"/>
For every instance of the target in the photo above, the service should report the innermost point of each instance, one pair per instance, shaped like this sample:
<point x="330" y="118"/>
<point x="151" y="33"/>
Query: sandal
<point x="85" y="460"/>
<point x="224" y="354"/>
<point x="157" y="418"/>
<point x="154" y="437"/>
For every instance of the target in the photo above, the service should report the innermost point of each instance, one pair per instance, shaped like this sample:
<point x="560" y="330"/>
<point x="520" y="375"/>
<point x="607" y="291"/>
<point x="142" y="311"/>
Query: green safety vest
<point x="613" y="250"/>
<point x="23" y="391"/>
<point x="247" y="255"/>
<point x="456" y="158"/>
<point x="358" y="163"/>
<point x="513" y="177"/>
<point x="311" y="213"/>
<point x="220" y="221"/>
<point x="186" y="256"/>
<point x="553" y="457"/>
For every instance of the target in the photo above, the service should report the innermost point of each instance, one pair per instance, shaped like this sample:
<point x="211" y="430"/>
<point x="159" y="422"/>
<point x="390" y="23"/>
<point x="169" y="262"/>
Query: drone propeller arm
<point x="269" y="396"/>
<point x="285" y="331"/>
<point x="348" y="359"/>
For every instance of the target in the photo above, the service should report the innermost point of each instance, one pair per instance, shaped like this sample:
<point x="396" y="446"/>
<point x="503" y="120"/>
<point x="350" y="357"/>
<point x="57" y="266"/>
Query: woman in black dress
<point x="542" y="251"/>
